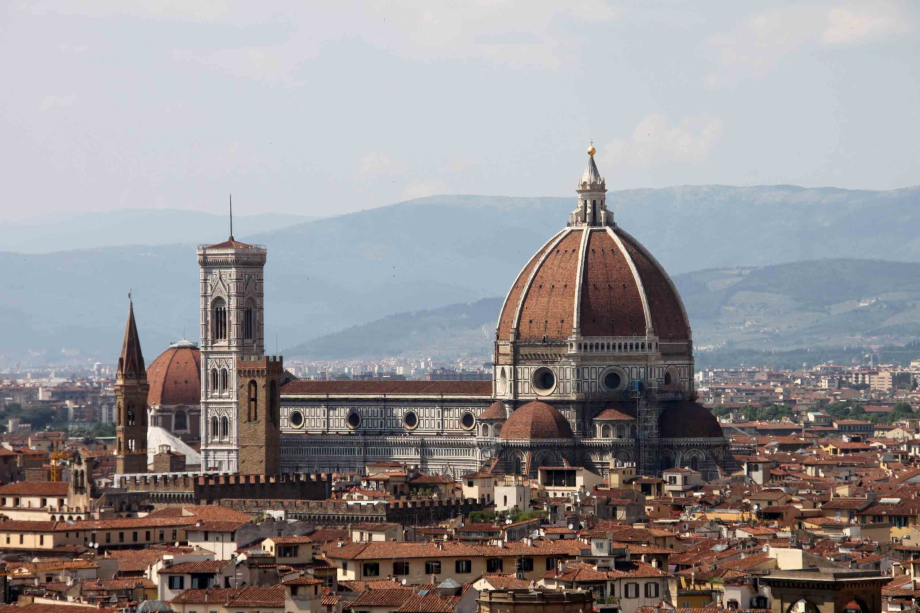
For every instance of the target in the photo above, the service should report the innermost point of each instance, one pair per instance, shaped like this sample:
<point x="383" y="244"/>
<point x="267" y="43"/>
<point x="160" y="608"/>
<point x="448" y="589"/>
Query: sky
<point x="322" y="108"/>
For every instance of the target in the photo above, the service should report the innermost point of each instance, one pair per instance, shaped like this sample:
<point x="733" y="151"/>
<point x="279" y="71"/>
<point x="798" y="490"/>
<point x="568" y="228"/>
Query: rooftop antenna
<point x="231" y="216"/>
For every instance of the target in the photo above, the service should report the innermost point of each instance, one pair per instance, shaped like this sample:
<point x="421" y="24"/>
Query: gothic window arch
<point x="252" y="412"/>
<point x="224" y="380"/>
<point x="180" y="421"/>
<point x="130" y="415"/>
<point x="606" y="431"/>
<point x="249" y="322"/>
<point x="215" y="384"/>
<point x="219" y="320"/>
<point x="224" y="427"/>
<point x="215" y="432"/>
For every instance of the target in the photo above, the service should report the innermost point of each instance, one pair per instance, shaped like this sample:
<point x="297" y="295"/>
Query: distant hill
<point x="327" y="275"/>
<point x="92" y="230"/>
<point x="455" y="330"/>
<point x="818" y="303"/>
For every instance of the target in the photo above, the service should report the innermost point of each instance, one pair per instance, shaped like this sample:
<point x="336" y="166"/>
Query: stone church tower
<point x="259" y="415"/>
<point x="131" y="404"/>
<point x="231" y="328"/>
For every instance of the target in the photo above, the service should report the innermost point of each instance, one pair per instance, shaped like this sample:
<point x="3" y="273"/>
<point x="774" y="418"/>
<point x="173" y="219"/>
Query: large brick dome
<point x="175" y="376"/>
<point x="599" y="280"/>
<point x="536" y="420"/>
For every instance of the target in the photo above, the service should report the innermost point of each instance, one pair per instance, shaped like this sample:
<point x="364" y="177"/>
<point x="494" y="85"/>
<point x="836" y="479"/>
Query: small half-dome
<point x="536" y="420"/>
<point x="688" y="419"/>
<point x="175" y="376"/>
<point x="495" y="412"/>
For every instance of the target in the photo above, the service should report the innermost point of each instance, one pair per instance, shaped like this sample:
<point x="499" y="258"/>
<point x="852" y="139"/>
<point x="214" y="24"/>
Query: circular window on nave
<point x="612" y="380"/>
<point x="296" y="419"/>
<point x="411" y="420"/>
<point x="354" y="420"/>
<point x="544" y="380"/>
<point x="467" y="421"/>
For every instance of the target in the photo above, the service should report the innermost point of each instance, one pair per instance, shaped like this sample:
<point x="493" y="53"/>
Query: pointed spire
<point x="591" y="176"/>
<point x="131" y="362"/>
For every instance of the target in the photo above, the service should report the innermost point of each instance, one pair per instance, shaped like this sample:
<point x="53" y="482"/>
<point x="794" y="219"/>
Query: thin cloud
<point x="655" y="142"/>
<point x="757" y="45"/>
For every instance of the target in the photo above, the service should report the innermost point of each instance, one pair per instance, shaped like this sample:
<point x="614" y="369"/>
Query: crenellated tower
<point x="259" y="415"/>
<point x="231" y="310"/>
<point x="131" y="403"/>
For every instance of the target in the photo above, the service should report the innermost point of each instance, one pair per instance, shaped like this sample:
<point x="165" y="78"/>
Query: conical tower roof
<point x="591" y="179"/>
<point x="131" y="362"/>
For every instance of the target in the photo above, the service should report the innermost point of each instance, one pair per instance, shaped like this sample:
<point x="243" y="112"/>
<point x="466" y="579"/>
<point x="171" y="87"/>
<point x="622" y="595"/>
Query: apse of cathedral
<point x="593" y="367"/>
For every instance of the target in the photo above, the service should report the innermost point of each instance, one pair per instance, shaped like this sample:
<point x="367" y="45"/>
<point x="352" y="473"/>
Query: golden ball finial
<point x="591" y="149"/>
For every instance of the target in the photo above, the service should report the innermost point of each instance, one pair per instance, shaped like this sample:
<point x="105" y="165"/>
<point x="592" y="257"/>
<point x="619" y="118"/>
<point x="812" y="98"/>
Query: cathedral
<point x="593" y="367"/>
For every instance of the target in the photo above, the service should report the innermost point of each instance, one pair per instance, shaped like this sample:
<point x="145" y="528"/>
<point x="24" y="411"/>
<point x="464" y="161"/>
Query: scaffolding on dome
<point x="647" y="432"/>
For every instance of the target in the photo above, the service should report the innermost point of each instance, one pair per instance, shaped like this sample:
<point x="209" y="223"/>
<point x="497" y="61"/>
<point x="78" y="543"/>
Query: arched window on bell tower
<point x="249" y="322"/>
<point x="219" y="320"/>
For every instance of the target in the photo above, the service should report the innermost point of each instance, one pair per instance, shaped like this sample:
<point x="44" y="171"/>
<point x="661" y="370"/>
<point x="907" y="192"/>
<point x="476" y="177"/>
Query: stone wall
<point x="339" y="512"/>
<point x="185" y="489"/>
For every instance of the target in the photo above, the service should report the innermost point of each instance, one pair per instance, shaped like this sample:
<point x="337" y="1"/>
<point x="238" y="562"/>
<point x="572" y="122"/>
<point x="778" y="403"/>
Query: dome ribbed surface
<point x="536" y="420"/>
<point x="624" y="291"/>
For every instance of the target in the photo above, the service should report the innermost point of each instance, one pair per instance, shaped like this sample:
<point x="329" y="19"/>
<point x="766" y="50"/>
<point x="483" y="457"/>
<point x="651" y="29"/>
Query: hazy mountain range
<point x="818" y="303"/>
<point x="326" y="275"/>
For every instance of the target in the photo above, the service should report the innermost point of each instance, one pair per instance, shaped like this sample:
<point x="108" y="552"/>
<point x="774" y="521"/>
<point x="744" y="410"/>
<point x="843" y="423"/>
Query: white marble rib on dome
<point x="157" y="436"/>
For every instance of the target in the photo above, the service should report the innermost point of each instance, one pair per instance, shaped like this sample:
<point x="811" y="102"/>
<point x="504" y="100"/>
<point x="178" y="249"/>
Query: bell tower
<point x="259" y="414"/>
<point x="231" y="308"/>
<point x="131" y="403"/>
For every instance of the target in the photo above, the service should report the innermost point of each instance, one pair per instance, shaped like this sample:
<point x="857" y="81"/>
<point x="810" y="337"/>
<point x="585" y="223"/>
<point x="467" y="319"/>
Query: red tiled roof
<point x="536" y="420"/>
<point x="35" y="488"/>
<point x="252" y="596"/>
<point x="510" y="308"/>
<point x="185" y="568"/>
<point x="232" y="243"/>
<point x="613" y="415"/>
<point x="175" y="378"/>
<point x="290" y="540"/>
<point x="44" y="607"/>
<point x="495" y="411"/>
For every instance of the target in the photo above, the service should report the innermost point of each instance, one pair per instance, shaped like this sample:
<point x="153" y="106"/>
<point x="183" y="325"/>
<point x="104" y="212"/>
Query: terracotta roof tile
<point x="536" y="420"/>
<point x="549" y="304"/>
<point x="174" y="378"/>
<point x="35" y="488"/>
<point x="509" y="309"/>
<point x="610" y="301"/>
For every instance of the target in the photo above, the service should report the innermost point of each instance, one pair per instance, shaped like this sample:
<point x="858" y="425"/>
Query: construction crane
<point x="57" y="461"/>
